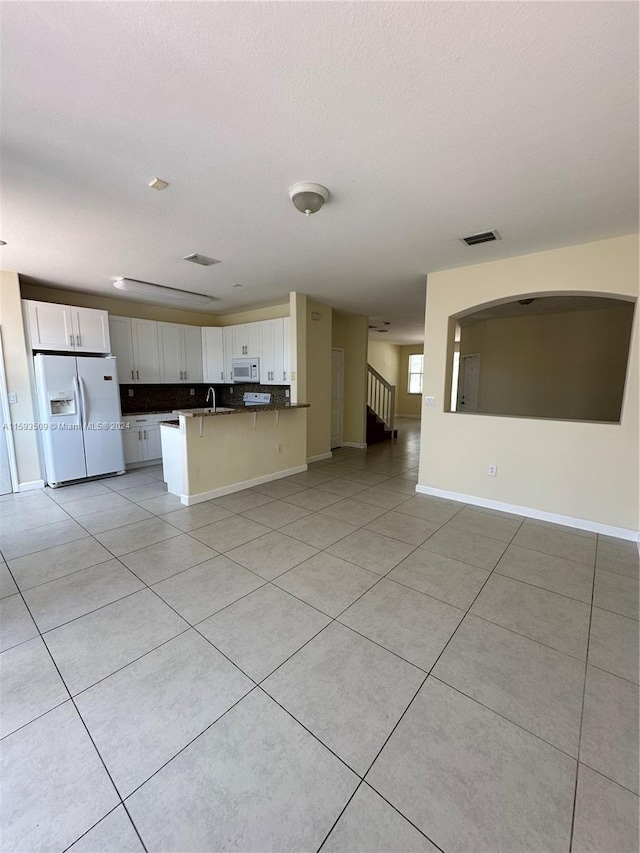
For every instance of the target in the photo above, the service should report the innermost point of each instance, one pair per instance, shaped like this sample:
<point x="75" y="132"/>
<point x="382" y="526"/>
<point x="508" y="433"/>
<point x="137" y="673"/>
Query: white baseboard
<point x="319" y="457"/>
<point x="554" y="518"/>
<point x="359" y="444"/>
<point x="30" y="485"/>
<point x="413" y="417"/>
<point x="189" y="500"/>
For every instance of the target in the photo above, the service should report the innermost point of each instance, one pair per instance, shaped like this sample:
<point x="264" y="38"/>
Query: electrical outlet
<point x="12" y="398"/>
<point x="286" y="394"/>
<point x="279" y="448"/>
<point x="430" y="402"/>
<point x="293" y="376"/>
<point x="131" y="392"/>
<point x="493" y="471"/>
<point x="192" y="391"/>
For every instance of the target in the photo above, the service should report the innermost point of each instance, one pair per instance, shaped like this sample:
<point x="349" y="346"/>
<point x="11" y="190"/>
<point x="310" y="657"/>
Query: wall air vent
<point x="203" y="260"/>
<point x="382" y="331"/>
<point x="484" y="237"/>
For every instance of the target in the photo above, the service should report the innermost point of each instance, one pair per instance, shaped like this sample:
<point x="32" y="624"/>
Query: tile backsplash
<point x="166" y="398"/>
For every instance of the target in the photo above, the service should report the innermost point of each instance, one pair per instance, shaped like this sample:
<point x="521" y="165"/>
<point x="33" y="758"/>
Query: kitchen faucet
<point x="213" y="395"/>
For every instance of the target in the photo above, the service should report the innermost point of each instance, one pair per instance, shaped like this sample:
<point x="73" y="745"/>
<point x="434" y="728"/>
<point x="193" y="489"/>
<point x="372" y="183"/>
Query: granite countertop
<point x="239" y="410"/>
<point x="167" y="411"/>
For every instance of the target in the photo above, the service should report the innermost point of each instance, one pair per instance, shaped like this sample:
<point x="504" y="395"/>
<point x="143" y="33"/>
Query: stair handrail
<point x="381" y="396"/>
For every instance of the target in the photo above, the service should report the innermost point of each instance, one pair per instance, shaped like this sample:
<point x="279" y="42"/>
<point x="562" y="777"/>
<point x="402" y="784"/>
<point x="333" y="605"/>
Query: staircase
<point x="381" y="406"/>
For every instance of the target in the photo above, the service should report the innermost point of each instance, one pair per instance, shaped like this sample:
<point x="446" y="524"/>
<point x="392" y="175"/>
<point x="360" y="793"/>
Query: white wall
<point x="586" y="471"/>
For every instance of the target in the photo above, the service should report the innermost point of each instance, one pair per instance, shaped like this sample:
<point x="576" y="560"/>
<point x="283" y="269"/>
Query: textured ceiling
<point x="426" y="121"/>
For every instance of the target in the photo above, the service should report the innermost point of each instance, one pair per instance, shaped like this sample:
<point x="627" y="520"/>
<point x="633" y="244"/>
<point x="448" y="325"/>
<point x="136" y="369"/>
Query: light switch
<point x="12" y="398"/>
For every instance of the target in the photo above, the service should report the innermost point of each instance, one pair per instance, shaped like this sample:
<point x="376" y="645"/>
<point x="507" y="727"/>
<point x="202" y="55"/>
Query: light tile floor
<point x="329" y="661"/>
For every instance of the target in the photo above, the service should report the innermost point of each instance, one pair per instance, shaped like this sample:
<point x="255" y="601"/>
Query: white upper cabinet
<point x="146" y="357"/>
<point x="65" y="328"/>
<point x="91" y="330"/>
<point x="192" y="338"/>
<point x="213" y="365"/>
<point x="286" y="362"/>
<point x="254" y="342"/>
<point x="228" y="343"/>
<point x="274" y="363"/>
<point x="122" y="348"/>
<point x="180" y="353"/>
<point x="135" y="346"/>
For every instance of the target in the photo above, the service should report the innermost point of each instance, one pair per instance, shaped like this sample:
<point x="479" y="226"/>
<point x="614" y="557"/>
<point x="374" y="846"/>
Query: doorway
<point x="337" y="397"/>
<point x="468" y="383"/>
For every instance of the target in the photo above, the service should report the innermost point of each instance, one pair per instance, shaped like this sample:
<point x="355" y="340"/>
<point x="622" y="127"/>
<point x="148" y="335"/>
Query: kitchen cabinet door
<point x="239" y="337"/>
<point x="278" y="350"/>
<point x="132" y="442"/>
<point x="192" y="354"/>
<point x="91" y="330"/>
<point x="171" y="358"/>
<point x="144" y="334"/>
<point x="254" y="342"/>
<point x="50" y="326"/>
<point x="151" y="442"/>
<point x="228" y="343"/>
<point x="286" y="358"/>
<point x="267" y="363"/>
<point x="212" y="354"/>
<point x="122" y="348"/>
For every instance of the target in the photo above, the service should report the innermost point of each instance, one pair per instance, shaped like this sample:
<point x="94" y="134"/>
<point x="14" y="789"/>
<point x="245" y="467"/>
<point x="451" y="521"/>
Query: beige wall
<point x="16" y="359"/>
<point x="570" y="365"/>
<point x="587" y="471"/>
<point x="409" y="405"/>
<point x="231" y="451"/>
<point x="119" y="307"/>
<point x="318" y="369"/>
<point x="385" y="358"/>
<point x="349" y="332"/>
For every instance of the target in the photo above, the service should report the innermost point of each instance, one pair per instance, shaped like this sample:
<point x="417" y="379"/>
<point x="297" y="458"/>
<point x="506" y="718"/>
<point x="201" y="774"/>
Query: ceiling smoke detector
<point x="203" y="260"/>
<point x="308" y="198"/>
<point x="482" y="237"/>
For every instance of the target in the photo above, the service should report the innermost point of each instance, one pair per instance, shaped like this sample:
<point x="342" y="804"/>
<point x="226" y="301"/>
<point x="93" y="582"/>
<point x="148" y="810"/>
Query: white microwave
<point x="245" y="370"/>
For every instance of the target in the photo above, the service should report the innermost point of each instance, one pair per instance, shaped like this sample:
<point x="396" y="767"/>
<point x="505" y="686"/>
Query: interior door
<point x="100" y="395"/>
<point x="91" y="330"/>
<point x="337" y="396"/>
<point x="5" y="470"/>
<point x="468" y="383"/>
<point x="192" y="365"/>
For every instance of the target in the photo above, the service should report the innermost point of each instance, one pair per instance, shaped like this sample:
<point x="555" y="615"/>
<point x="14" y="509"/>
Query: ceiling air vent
<point x="203" y="260"/>
<point x="484" y="237"/>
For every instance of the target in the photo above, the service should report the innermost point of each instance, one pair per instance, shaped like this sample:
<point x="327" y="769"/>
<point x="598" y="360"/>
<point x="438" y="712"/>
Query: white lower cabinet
<point x="142" y="438"/>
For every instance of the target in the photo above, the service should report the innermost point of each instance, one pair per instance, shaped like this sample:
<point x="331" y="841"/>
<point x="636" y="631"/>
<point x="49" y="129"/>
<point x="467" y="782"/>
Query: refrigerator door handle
<point x="78" y="396"/>
<point x="85" y="408"/>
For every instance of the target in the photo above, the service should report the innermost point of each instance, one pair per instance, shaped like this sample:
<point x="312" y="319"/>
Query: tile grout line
<point x="584" y="693"/>
<point x="93" y="743"/>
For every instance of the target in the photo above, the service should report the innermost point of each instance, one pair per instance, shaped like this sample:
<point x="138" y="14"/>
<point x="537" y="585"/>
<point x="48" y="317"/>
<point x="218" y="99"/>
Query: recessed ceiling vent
<point x="203" y="260"/>
<point x="484" y="237"/>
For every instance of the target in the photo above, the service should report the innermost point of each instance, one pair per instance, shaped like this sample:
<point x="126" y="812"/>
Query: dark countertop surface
<point x="239" y="410"/>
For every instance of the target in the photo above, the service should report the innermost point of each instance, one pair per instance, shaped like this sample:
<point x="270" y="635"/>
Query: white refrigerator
<point x="80" y="417"/>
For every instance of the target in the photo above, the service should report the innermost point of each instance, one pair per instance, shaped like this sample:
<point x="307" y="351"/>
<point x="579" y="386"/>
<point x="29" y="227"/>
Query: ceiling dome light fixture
<point x="160" y="292"/>
<point x="308" y="198"/>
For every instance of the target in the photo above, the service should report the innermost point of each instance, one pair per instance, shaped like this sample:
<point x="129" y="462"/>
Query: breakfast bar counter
<point x="206" y="455"/>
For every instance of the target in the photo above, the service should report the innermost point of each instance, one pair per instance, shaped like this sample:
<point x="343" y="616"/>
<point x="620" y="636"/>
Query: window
<point x="415" y="373"/>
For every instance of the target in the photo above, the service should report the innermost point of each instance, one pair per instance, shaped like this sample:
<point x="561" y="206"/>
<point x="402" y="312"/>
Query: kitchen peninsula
<point x="207" y="453"/>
